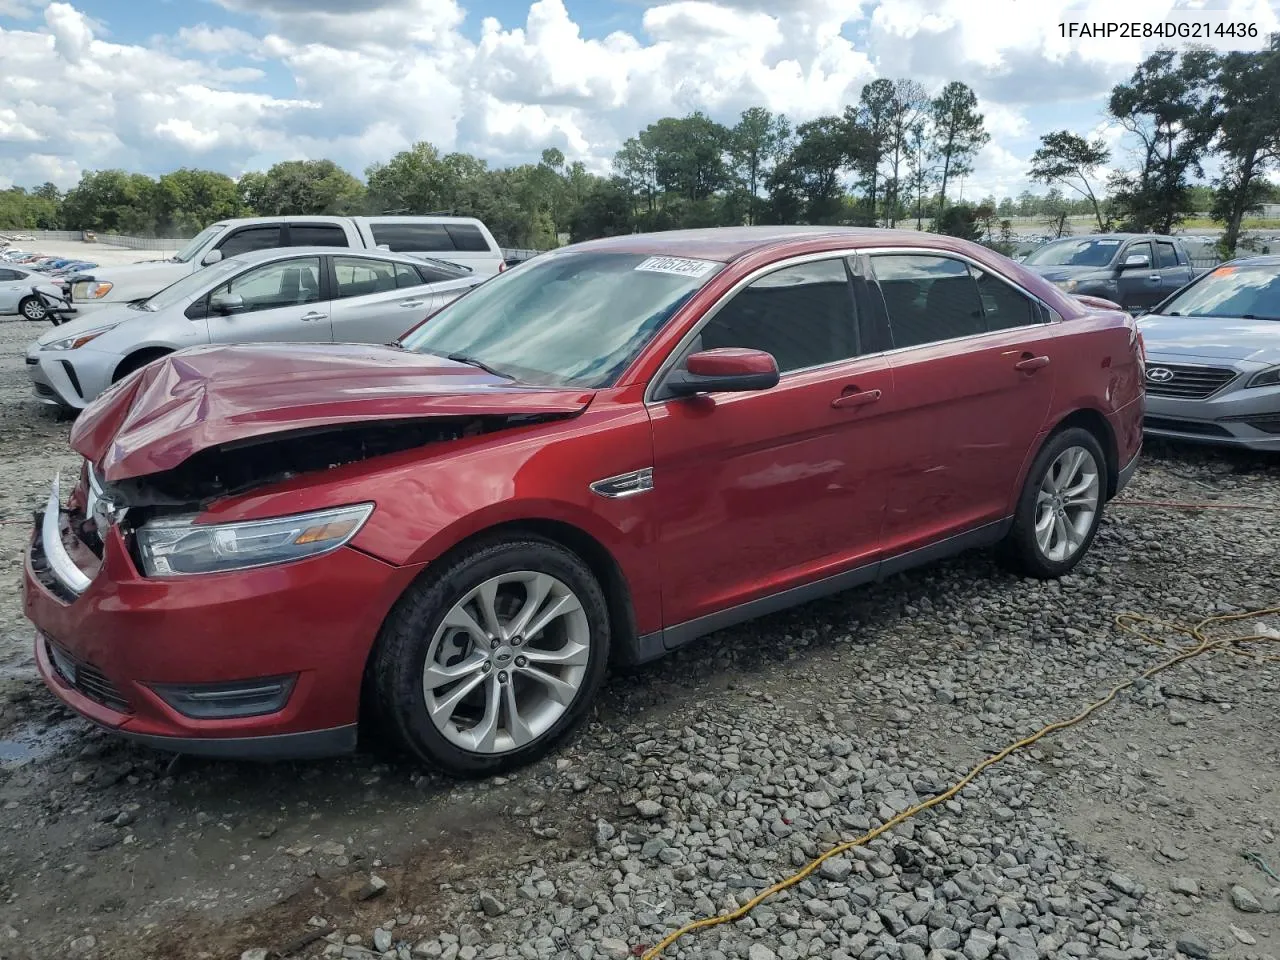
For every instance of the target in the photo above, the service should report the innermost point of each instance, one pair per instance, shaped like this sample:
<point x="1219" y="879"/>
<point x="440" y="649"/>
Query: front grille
<point x="1189" y="381"/>
<point x="1198" y="427"/>
<point x="86" y="678"/>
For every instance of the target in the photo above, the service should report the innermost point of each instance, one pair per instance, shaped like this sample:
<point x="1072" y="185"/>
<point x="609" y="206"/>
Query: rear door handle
<point x="412" y="303"/>
<point x="1029" y="363"/>
<point x="853" y="397"/>
<point x="314" y="316"/>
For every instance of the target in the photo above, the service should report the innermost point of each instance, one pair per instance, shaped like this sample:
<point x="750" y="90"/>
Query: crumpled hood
<point x="210" y="396"/>
<point x="1214" y="338"/>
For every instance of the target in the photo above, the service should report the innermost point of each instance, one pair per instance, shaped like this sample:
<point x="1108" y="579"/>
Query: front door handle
<point x="853" y="397"/>
<point x="314" y="316"/>
<point x="1154" y="278"/>
<point x="1030" y="364"/>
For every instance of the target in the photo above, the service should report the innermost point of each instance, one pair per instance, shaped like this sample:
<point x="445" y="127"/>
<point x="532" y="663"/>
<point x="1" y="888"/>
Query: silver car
<point x="1213" y="358"/>
<point x="16" y="294"/>
<point x="289" y="293"/>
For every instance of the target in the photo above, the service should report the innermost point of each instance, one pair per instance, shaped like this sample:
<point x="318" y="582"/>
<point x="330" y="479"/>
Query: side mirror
<point x="1136" y="261"/>
<point x="226" y="303"/>
<point x="724" y="369"/>
<point x="212" y="257"/>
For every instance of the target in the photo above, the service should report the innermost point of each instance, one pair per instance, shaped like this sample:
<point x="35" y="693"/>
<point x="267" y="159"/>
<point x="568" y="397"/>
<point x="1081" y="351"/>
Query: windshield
<point x="1074" y="253"/>
<point x="1232" y="292"/>
<point x="564" y="319"/>
<point x="201" y="238"/>
<point x="189" y="286"/>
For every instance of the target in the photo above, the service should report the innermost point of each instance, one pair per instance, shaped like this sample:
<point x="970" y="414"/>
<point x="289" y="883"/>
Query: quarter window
<point x="359" y="277"/>
<point x="802" y="315"/>
<point x="1002" y="305"/>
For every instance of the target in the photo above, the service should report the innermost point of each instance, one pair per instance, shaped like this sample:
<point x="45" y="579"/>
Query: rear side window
<point x="407" y="276"/>
<point x="802" y="315"/>
<point x="358" y="277"/>
<point x="1167" y="254"/>
<point x="466" y="236"/>
<point x="247" y="239"/>
<point x="928" y="298"/>
<point x="1002" y="305"/>
<point x="6" y="275"/>
<point x="408" y="237"/>
<point x="317" y="235"/>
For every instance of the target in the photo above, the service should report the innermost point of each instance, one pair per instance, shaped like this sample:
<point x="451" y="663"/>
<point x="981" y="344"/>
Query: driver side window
<point x="287" y="283"/>
<point x="802" y="315"/>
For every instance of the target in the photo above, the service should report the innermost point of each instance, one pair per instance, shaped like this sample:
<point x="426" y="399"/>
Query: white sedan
<point x="315" y="294"/>
<point x="17" y="295"/>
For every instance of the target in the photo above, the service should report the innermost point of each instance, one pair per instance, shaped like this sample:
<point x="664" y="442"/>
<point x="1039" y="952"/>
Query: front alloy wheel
<point x="33" y="309"/>
<point x="493" y="657"/>
<point x="506" y="662"/>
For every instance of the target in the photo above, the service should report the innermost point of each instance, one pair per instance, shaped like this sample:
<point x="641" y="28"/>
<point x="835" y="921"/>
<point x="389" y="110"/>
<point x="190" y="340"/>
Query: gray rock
<point x="1185" y="886"/>
<point x="381" y="940"/>
<point x="759" y="951"/>
<point x="615" y="949"/>
<point x="837" y="869"/>
<point x="817" y="800"/>
<point x="649" y="809"/>
<point x="491" y="905"/>
<point x="1244" y="936"/>
<point x="1193" y="947"/>
<point x="979" y="945"/>
<point x="82" y="945"/>
<point x="1243" y="899"/>
<point x="1123" y="883"/>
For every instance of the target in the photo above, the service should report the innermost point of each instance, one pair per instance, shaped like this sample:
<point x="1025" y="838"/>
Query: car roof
<point x="726" y="244"/>
<point x="1267" y="260"/>
<point x="334" y="218"/>
<point x="285" y="253"/>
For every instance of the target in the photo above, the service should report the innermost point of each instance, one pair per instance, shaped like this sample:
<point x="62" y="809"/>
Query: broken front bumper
<point x="137" y="655"/>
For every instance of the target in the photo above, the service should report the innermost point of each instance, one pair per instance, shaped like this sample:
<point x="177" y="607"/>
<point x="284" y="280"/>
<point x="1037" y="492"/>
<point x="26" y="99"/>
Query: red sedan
<point x="596" y="457"/>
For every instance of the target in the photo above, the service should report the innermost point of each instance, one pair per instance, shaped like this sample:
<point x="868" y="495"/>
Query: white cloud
<point x="357" y="80"/>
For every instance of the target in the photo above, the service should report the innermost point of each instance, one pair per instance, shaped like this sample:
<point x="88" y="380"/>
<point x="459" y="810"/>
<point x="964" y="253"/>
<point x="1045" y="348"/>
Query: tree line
<point x="899" y="156"/>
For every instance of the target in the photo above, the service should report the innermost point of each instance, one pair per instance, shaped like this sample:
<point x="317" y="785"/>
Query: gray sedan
<point x="16" y="294"/>
<point x="1213" y="358"/>
<point x="290" y="293"/>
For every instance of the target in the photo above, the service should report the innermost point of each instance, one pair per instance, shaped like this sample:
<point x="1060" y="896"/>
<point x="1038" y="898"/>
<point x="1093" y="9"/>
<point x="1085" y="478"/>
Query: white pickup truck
<point x="462" y="240"/>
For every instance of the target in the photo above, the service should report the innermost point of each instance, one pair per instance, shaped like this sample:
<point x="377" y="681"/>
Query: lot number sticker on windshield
<point x="1108" y="243"/>
<point x="677" y="265"/>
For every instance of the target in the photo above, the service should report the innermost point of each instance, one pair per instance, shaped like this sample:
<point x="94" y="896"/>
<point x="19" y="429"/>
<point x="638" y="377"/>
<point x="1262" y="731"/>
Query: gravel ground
<point x="702" y="779"/>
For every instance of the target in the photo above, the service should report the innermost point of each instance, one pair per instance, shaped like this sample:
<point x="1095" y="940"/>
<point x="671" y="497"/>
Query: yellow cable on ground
<point x="1125" y="621"/>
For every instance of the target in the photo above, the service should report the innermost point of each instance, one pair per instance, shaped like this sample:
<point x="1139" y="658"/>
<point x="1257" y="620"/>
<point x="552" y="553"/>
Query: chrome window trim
<point x="844" y="253"/>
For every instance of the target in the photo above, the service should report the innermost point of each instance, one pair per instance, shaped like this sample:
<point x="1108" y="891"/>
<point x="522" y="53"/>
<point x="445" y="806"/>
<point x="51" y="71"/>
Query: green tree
<point x="38" y="210"/>
<point x="907" y="116"/>
<point x="756" y="142"/>
<point x="1249" y="136"/>
<point x="189" y="200"/>
<point x="303" y="187"/>
<point x="1071" y="160"/>
<point x="1169" y="106"/>
<point x="606" y="210"/>
<point x="806" y="186"/>
<point x="689" y="155"/>
<point x="870" y="131"/>
<point x="959" y="132"/>
<point x="921" y="171"/>
<point x="413" y="181"/>
<point x="636" y="164"/>
<point x="111" y="201"/>
<point x="960" y="221"/>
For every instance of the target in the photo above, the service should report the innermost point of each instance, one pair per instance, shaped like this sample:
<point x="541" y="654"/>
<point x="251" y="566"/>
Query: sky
<point x="236" y="85"/>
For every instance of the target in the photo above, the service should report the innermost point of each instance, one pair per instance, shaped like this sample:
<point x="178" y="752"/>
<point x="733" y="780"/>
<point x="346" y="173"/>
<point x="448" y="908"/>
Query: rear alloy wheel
<point x="1061" y="505"/>
<point x="487" y="665"/>
<point x="33" y="309"/>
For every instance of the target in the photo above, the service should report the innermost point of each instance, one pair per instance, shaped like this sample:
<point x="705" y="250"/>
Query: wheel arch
<point x="1092" y="420"/>
<point x="136" y="360"/>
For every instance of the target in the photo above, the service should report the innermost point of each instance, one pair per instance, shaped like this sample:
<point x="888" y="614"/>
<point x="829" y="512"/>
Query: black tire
<point x="137" y="361"/>
<point x="396" y="668"/>
<point x="33" y="309"/>
<point x="1022" y="547"/>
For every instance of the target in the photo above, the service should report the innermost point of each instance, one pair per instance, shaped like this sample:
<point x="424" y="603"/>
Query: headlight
<point x="79" y="340"/>
<point x="1069" y="286"/>
<point x="177" y="547"/>
<point x="1266" y="378"/>
<point x="91" y="289"/>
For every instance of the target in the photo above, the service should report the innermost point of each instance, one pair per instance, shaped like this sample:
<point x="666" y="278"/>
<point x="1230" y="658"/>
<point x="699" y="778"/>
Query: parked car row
<point x="23" y="276"/>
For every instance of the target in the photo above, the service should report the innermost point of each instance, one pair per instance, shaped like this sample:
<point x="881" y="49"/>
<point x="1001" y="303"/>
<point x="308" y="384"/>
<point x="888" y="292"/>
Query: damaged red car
<point x="594" y="458"/>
